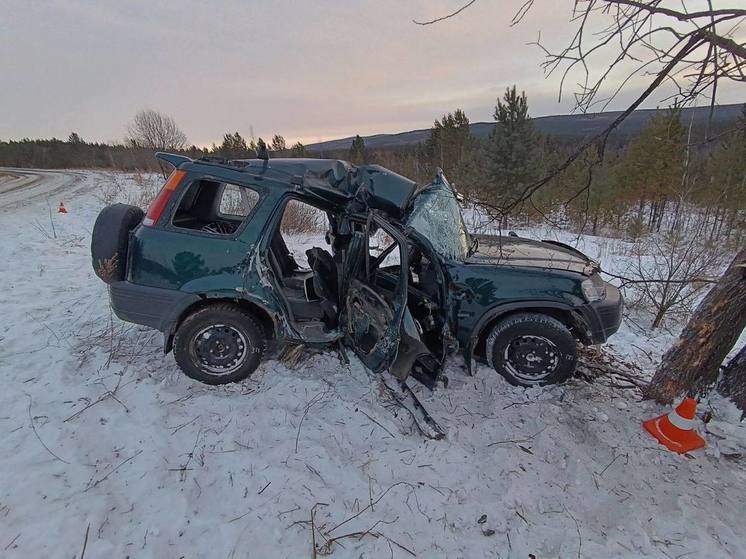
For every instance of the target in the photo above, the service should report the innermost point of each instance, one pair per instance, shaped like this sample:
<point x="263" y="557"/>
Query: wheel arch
<point x="264" y="317"/>
<point x="566" y="314"/>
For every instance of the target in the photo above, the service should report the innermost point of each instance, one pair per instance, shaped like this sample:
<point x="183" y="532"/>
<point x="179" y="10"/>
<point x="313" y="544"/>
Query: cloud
<point x="309" y="70"/>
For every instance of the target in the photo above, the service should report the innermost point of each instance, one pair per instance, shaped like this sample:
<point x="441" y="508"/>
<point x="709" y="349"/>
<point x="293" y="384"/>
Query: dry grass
<point x="668" y="273"/>
<point x="302" y="218"/>
<point x="107" y="269"/>
<point x="136" y="190"/>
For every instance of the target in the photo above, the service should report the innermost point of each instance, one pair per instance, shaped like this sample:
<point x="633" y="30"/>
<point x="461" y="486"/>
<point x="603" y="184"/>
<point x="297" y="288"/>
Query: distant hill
<point x="570" y="127"/>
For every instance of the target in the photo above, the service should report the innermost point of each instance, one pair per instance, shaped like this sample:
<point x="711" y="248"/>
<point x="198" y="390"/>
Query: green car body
<point x="444" y="295"/>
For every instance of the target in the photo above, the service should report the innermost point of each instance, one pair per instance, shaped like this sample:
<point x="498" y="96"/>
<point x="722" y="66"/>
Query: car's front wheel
<point x="219" y="344"/>
<point x="531" y="349"/>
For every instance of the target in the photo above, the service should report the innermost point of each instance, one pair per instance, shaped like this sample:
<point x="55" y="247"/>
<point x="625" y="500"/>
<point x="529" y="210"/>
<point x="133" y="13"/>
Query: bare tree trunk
<point x="722" y="222"/>
<point x="731" y="221"/>
<point x="658" y="319"/>
<point x="660" y="215"/>
<point x="715" y="223"/>
<point x="691" y="365"/>
<point x="733" y="382"/>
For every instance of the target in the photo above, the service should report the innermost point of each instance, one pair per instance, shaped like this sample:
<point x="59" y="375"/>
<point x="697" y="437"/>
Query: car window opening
<point x="214" y="207"/>
<point x="423" y="294"/>
<point x="309" y="277"/>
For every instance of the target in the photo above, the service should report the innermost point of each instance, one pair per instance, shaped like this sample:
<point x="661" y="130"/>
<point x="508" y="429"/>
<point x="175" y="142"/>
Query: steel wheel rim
<point x="220" y="349"/>
<point x="531" y="358"/>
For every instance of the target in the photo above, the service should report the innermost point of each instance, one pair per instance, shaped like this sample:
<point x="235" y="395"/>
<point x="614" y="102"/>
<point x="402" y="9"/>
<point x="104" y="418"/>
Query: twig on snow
<point x="377" y="423"/>
<point x="240" y="517"/>
<point x="577" y="528"/>
<point x="183" y="469"/>
<point x="85" y="541"/>
<point x="309" y="405"/>
<point x="178" y="427"/>
<point x="315" y="472"/>
<point x="51" y="221"/>
<point x="400" y="546"/>
<point x="33" y="427"/>
<point x="135" y="455"/>
<point x="287" y="511"/>
<point x="326" y="549"/>
<point x="518" y="513"/>
<point x="370" y="505"/>
<point x="313" y="534"/>
<point x="107" y="394"/>
<point x="601" y="473"/>
<point x="516" y="441"/>
<point x="12" y="542"/>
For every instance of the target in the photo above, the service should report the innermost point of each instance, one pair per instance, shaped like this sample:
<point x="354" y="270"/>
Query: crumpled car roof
<point x="372" y="185"/>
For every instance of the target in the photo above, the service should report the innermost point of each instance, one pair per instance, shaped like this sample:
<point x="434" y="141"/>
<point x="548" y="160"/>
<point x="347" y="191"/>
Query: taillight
<point x="159" y="203"/>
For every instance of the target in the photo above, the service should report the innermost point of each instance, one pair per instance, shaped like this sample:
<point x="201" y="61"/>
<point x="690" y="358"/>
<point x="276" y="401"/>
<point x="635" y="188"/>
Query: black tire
<point x="532" y="349"/>
<point x="110" y="240"/>
<point x="219" y="344"/>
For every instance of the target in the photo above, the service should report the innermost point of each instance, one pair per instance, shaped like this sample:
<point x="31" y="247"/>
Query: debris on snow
<point x="308" y="460"/>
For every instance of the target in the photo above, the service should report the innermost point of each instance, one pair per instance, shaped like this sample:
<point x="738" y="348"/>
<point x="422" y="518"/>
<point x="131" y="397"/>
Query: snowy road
<point x="18" y="186"/>
<point x="104" y="444"/>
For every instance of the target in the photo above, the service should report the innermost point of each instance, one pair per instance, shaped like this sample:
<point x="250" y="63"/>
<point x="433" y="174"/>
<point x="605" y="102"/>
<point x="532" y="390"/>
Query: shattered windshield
<point x="437" y="217"/>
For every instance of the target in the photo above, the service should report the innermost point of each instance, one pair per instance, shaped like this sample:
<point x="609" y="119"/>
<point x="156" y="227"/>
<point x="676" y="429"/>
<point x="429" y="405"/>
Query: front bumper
<point x="604" y="317"/>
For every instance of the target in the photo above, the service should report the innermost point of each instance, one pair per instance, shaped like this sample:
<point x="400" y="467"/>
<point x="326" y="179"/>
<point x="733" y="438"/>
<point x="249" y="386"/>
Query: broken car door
<point x="374" y="310"/>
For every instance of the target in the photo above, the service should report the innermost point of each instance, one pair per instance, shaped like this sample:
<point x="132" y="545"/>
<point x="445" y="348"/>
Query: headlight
<point x="594" y="288"/>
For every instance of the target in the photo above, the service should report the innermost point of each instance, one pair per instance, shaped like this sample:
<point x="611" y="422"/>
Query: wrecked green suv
<point x="400" y="280"/>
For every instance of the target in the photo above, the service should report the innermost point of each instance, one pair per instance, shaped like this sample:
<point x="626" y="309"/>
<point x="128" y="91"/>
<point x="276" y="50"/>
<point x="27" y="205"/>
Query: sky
<point x="309" y="70"/>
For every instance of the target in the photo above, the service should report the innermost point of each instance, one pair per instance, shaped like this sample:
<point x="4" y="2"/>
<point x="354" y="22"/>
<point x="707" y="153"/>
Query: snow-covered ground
<point x="107" y="446"/>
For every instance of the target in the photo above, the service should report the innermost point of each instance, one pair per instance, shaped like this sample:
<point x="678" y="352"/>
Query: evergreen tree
<point x="470" y="174"/>
<point x="298" y="150"/>
<point x="653" y="167"/>
<point x="513" y="151"/>
<point x="447" y="142"/>
<point x="727" y="185"/>
<point x="358" y="155"/>
<point x="278" y="143"/>
<point x="234" y="146"/>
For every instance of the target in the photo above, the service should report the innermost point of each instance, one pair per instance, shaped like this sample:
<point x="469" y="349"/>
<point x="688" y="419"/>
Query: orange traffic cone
<point x="62" y="209"/>
<point x="676" y="431"/>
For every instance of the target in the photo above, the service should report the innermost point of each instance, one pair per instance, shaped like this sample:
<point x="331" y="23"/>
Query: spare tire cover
<point x="110" y="239"/>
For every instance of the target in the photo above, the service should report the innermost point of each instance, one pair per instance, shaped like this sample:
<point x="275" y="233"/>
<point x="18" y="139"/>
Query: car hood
<point x="517" y="251"/>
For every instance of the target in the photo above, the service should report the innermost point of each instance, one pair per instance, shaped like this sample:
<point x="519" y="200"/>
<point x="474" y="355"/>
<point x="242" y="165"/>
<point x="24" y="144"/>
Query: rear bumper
<point x="150" y="306"/>
<point x="604" y="317"/>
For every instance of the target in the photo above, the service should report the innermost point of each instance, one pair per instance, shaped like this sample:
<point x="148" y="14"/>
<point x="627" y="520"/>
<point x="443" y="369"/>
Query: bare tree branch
<point x="153" y="130"/>
<point x="653" y="7"/>
<point x="683" y="48"/>
<point x="436" y="20"/>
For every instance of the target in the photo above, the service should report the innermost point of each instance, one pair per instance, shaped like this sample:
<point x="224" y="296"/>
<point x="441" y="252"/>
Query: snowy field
<point x="107" y="448"/>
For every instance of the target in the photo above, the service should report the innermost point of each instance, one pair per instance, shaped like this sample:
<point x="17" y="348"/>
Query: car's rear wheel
<point x="219" y="344"/>
<point x="532" y="349"/>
